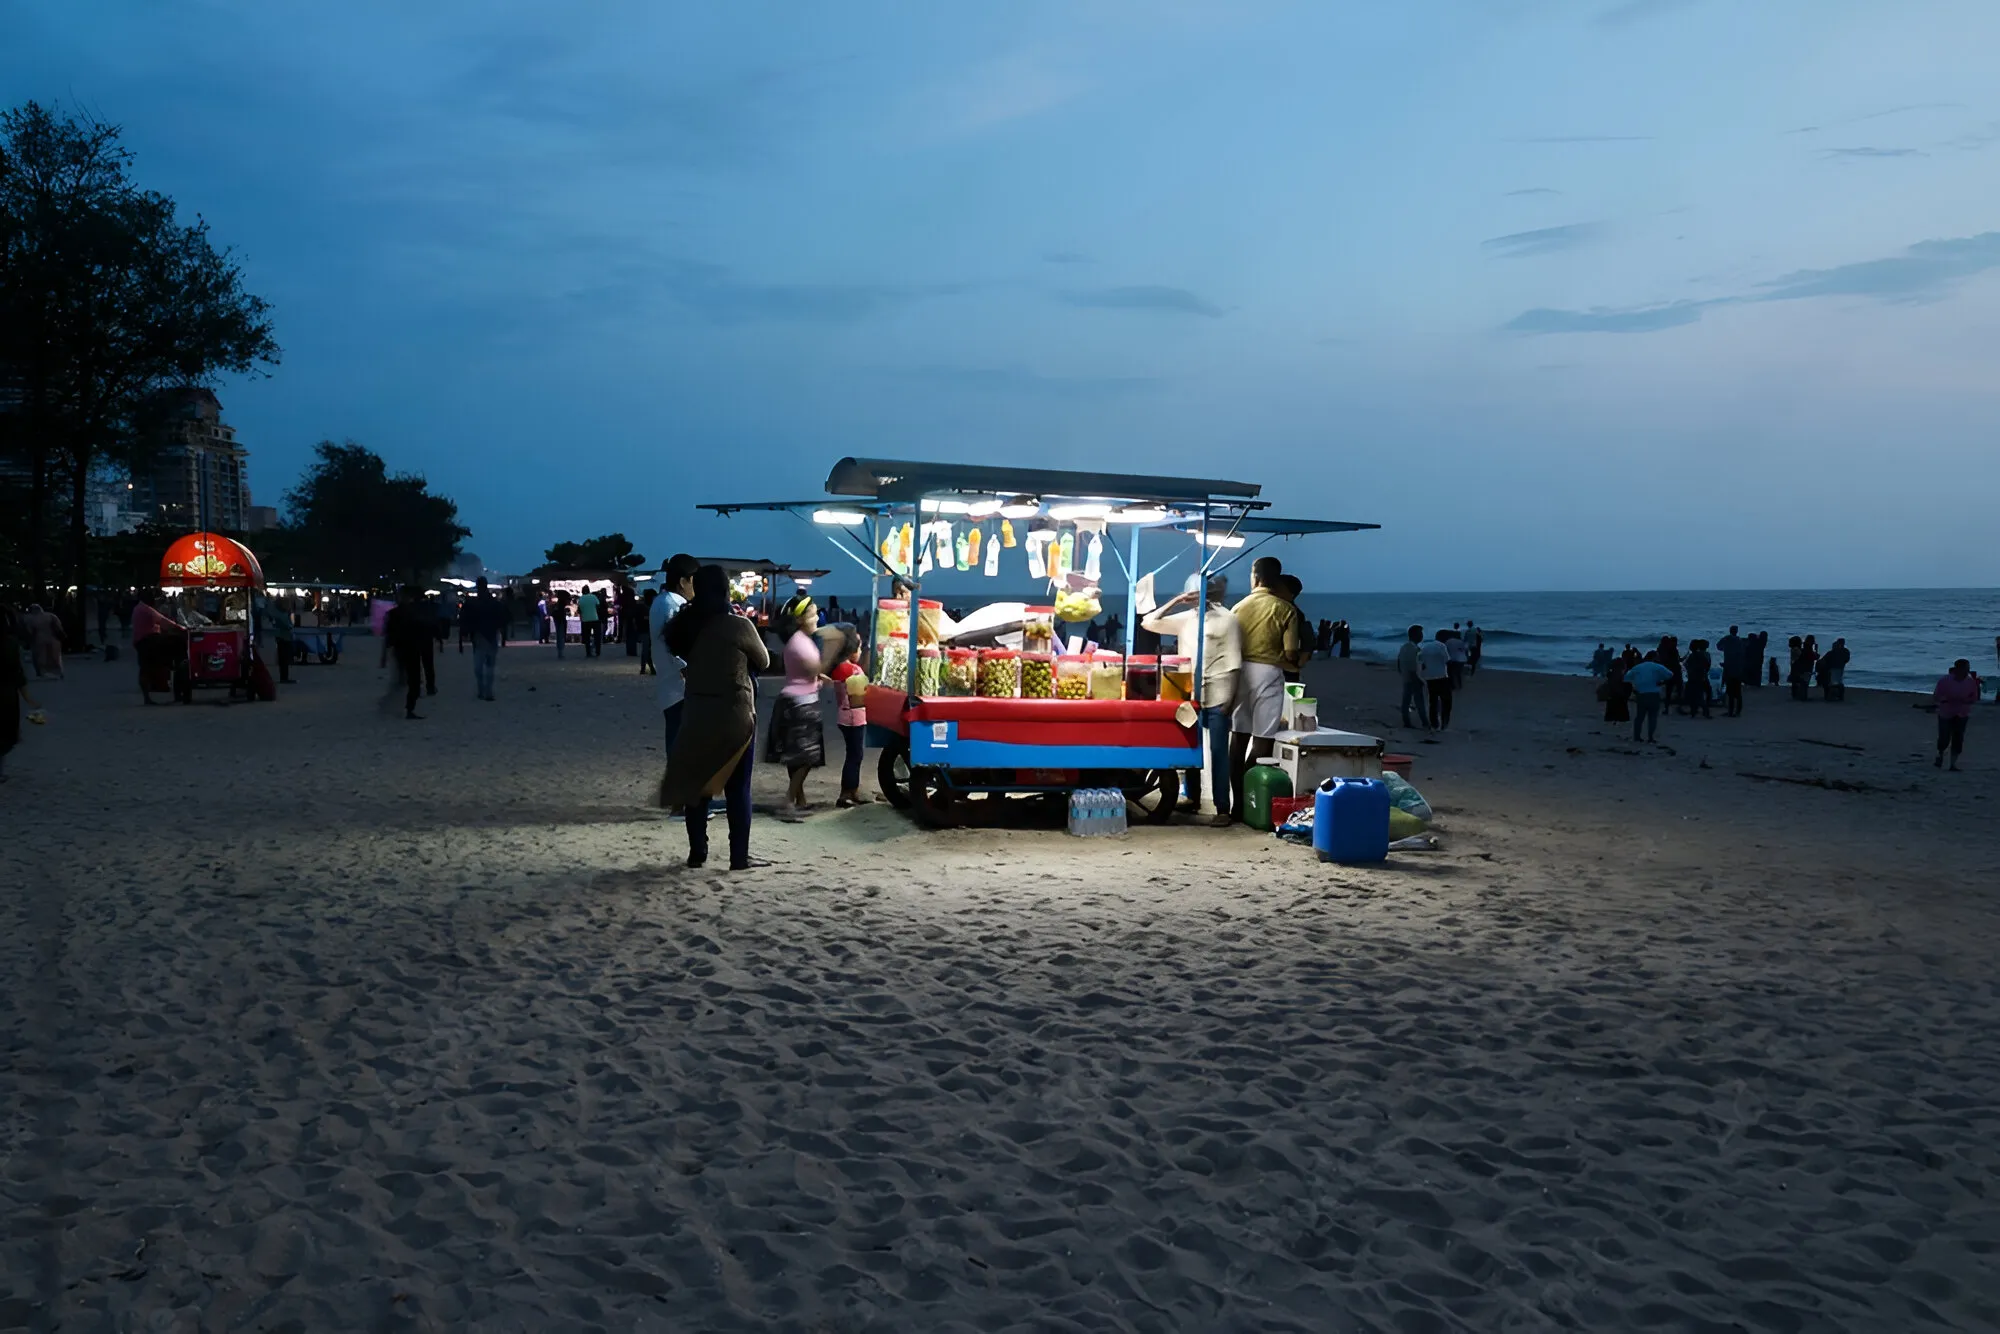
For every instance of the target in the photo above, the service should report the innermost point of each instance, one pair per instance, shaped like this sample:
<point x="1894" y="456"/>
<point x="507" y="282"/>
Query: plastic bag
<point x="1405" y="797"/>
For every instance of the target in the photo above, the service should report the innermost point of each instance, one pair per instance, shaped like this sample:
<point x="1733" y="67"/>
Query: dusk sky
<point x="1564" y="294"/>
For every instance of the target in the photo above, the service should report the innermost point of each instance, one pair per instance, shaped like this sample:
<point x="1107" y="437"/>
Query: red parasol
<point x="209" y="560"/>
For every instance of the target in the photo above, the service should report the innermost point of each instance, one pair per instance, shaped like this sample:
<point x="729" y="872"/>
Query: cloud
<point x="1542" y="240"/>
<point x="1866" y="152"/>
<point x="1638" y="11"/>
<point x="1531" y="190"/>
<point x="1904" y="109"/>
<point x="1165" y="300"/>
<point x="1605" y="319"/>
<point x="1583" y="139"/>
<point x="1926" y="271"/>
<point x="719" y="295"/>
<point x="1021" y="381"/>
<point x="1064" y="257"/>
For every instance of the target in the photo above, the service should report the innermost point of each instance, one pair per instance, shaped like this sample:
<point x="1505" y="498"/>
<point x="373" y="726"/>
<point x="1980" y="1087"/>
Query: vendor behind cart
<point x="1222" y="662"/>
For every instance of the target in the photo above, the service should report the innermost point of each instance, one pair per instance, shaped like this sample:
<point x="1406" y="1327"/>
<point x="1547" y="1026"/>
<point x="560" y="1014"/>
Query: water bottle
<point x="1076" y="814"/>
<point x="1094" y="808"/>
<point x="1114" y="800"/>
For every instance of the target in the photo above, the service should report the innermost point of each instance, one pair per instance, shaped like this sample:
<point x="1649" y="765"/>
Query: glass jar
<point x="1072" y="676"/>
<point x="892" y="618"/>
<point x="892" y="662"/>
<point x="1038" y="630"/>
<point x="961" y="672"/>
<point x="930" y="672"/>
<point x="1107" y="676"/>
<point x="1142" y="676"/>
<point x="999" y="673"/>
<point x="1038" y="676"/>
<point x="1176" y="677"/>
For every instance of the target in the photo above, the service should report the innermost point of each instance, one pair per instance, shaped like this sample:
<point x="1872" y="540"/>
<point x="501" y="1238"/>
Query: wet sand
<point x="316" y="1019"/>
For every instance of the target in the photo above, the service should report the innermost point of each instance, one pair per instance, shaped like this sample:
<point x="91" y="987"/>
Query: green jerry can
<point x="1264" y="781"/>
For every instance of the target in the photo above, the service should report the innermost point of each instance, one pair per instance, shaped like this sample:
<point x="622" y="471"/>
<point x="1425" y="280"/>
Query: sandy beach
<point x="317" y="1019"/>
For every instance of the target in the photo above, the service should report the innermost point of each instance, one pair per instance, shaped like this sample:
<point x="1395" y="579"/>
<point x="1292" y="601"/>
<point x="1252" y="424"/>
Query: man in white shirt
<point x="1434" y="662"/>
<point x="1221" y="664"/>
<point x="1409" y="669"/>
<point x="1460" y="650"/>
<point x="669" y="687"/>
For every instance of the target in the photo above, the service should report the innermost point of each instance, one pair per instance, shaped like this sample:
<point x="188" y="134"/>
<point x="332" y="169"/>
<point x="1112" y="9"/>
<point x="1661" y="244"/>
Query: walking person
<point x="43" y="631"/>
<point x="484" y="621"/>
<point x="409" y="632"/>
<point x="1956" y="692"/>
<point x="1221" y="665"/>
<point x="1434" y="662"/>
<point x="1410" y="671"/>
<point x="850" y="714"/>
<point x="1476" y="647"/>
<point x="712" y="750"/>
<point x="1649" y="683"/>
<point x="1271" y="627"/>
<point x="1457" y="654"/>
<point x="14" y="684"/>
<point x="1833" y="672"/>
<point x="798" y="738"/>
<point x="590" y="622"/>
<point x="1734" y="651"/>
<point x="677" y="572"/>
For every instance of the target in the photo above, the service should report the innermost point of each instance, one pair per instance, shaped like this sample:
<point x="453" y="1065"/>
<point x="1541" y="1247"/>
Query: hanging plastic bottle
<point x="1006" y="532"/>
<point x="1068" y="554"/>
<point x="903" y="545"/>
<point x="962" y="549"/>
<point x="1093" y="563"/>
<point x="945" y="555"/>
<point x="992" y="559"/>
<point x="1038" y="545"/>
<point x="972" y="540"/>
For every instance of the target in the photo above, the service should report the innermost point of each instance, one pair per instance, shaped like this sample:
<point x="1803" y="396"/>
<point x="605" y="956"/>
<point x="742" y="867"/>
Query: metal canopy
<point x="904" y="480"/>
<point x="1276" y="527"/>
<point x="745" y="565"/>
<point x="824" y="503"/>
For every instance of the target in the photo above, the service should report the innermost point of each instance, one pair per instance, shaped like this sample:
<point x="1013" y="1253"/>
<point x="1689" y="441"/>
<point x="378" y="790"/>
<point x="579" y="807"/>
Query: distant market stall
<point x="1015" y="699"/>
<point x="213" y="578"/>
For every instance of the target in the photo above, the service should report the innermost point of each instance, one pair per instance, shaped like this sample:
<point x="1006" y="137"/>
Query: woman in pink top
<point x="797" y="739"/>
<point x="1957" y="691"/>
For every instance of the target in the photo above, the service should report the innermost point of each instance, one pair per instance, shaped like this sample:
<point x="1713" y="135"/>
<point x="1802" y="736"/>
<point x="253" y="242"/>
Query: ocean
<point x="1901" y="638"/>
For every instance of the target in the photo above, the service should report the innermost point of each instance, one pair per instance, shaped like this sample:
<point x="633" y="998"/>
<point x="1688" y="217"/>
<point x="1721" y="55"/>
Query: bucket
<point x="1283" y="807"/>
<point x="1351" y="820"/>
<point x="1399" y="764"/>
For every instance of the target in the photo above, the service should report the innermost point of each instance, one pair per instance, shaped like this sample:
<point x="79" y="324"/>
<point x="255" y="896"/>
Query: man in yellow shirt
<point x="1273" y="642"/>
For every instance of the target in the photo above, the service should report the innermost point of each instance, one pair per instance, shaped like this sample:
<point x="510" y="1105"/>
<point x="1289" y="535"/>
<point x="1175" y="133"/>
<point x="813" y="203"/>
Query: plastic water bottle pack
<point x="1097" y="812"/>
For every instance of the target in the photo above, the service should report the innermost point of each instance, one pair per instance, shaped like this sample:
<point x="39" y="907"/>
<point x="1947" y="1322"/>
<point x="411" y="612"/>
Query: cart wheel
<point x="933" y="801"/>
<point x="1153" y="795"/>
<point x="892" y="772"/>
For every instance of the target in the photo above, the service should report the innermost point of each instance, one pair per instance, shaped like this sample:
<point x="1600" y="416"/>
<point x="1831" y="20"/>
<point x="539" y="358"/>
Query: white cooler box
<point x="1309" y="758"/>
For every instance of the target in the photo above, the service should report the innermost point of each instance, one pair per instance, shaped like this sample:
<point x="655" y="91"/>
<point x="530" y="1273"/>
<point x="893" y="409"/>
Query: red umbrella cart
<point x="215" y="578"/>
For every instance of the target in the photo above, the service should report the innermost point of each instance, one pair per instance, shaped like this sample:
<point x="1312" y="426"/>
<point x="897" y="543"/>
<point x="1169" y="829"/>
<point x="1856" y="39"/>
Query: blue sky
<point x="1565" y="294"/>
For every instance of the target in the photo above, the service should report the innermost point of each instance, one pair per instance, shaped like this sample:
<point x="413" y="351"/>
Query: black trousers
<point x="1440" y="693"/>
<point x="1732" y="692"/>
<point x="410" y="662"/>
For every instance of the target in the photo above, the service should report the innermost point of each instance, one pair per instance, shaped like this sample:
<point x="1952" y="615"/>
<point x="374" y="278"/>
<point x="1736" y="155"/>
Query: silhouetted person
<point x="1649" y="683"/>
<point x="484" y="621"/>
<point x="1735" y="650"/>
<point x="1833" y="671"/>
<point x="1697" y="693"/>
<point x="408" y="632"/>
<point x="1434" y="660"/>
<point x="1410" y="671"/>
<point x="1600" y="661"/>
<point x="1956" y="692"/>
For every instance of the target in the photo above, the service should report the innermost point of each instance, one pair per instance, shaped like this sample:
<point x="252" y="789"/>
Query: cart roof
<point x="1271" y="526"/>
<point x="759" y="565"/>
<point x="905" y="480"/>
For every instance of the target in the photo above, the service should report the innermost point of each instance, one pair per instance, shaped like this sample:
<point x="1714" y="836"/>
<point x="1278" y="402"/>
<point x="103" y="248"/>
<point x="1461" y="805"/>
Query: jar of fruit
<point x="1142" y="677"/>
<point x="1072" y="676"/>
<point x="1176" y="677"/>
<point x="892" y="662"/>
<point x="1038" y="676"/>
<point x="999" y="673"/>
<point x="930" y="672"/>
<point x="1038" y="630"/>
<point x="961" y="671"/>
<point x="1107" y="676"/>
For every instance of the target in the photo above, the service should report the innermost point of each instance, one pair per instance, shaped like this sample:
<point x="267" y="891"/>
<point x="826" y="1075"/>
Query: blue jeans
<point x="1646" y="714"/>
<point x="485" y="656"/>
<point x="1215" y="722"/>
<point x="736" y="796"/>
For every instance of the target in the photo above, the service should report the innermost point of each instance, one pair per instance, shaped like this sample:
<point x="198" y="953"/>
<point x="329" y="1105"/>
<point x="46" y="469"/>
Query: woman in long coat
<point x="713" y="752"/>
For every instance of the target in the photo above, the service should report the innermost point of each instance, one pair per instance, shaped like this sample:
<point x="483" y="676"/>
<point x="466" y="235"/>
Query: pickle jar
<point x="930" y="672"/>
<point x="1038" y="676"/>
<point x="1107" y="676"/>
<point x="1176" y="677"/>
<point x="1038" y="629"/>
<point x="999" y="673"/>
<point x="961" y="671"/>
<point x="1072" y="676"/>
<point x="892" y="662"/>
<point x="1142" y="676"/>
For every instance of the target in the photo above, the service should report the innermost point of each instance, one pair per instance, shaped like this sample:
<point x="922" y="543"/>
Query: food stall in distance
<point x="214" y="578"/>
<point x="1014" y="699"/>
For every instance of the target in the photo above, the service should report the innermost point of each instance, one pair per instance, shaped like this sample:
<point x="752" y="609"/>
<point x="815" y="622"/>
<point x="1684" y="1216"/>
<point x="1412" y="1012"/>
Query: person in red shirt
<point x="1956" y="692"/>
<point x="850" y="700"/>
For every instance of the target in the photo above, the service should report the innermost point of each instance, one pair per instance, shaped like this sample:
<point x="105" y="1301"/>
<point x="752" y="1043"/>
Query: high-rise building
<point x="201" y="476"/>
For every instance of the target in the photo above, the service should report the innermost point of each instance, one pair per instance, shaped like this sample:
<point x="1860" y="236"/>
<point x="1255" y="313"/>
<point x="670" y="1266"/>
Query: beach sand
<point x="316" y="1019"/>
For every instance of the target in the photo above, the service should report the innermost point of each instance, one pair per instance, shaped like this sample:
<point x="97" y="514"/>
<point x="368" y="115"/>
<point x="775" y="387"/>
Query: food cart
<point x="214" y="577"/>
<point x="1005" y="703"/>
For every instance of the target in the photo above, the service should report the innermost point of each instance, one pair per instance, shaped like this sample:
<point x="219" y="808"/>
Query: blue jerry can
<point x="1351" y="820"/>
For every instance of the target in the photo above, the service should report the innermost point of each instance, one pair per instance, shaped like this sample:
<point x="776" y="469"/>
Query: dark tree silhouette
<point x="352" y="520"/>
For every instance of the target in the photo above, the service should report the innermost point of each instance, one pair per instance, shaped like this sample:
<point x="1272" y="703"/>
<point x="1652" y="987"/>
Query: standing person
<point x="798" y="738"/>
<point x="156" y="642"/>
<point x="642" y="626"/>
<point x="1476" y="646"/>
<point x="1600" y="661"/>
<point x="484" y="620"/>
<point x="1270" y="626"/>
<point x="1616" y="692"/>
<point x="1410" y="671"/>
<point x="669" y="688"/>
<point x="1759" y="650"/>
<point x="1774" y="671"/>
<point x="14" y="683"/>
<point x="1346" y="640"/>
<point x="1669" y="651"/>
<point x="279" y="622"/>
<point x="1833" y="671"/>
<point x="559" y="619"/>
<point x="1649" y="683"/>
<point x="1697" y="693"/>
<point x="1805" y="657"/>
<point x="1956" y="692"/>
<point x="1221" y="665"/>
<point x="1457" y="654"/>
<point x="1288" y="587"/>
<point x="1434" y="661"/>
<point x="712" y="751"/>
<point x="435" y="623"/>
<point x="408" y="632"/>
<point x="1734" y="652"/>
<point x="542" y="619"/>
<point x="850" y="713"/>
<point x="590" y="622"/>
<point x="43" y="631"/>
